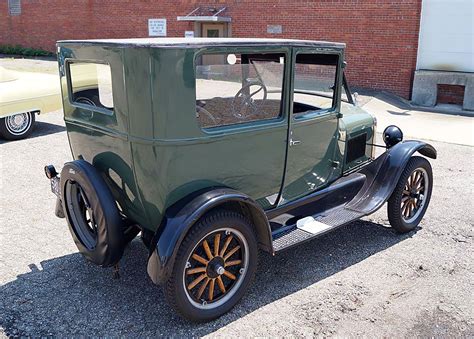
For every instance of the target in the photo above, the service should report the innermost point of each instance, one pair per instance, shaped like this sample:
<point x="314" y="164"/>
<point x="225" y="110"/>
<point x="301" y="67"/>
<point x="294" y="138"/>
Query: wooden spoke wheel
<point x="214" y="266"/>
<point x="411" y="196"/>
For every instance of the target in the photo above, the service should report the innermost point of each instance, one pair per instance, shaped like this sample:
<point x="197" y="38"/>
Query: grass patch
<point x="25" y="51"/>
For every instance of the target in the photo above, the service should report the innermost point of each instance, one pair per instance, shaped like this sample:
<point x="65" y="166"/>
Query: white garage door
<point x="447" y="35"/>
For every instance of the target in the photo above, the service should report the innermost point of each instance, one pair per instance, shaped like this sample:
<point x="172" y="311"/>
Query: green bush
<point x="26" y="51"/>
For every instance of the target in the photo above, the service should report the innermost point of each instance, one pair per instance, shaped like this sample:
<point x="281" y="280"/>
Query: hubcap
<point x="413" y="195"/>
<point x="216" y="268"/>
<point x="18" y="124"/>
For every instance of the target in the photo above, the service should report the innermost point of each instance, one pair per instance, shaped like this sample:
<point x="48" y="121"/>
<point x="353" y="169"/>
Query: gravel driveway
<point x="362" y="279"/>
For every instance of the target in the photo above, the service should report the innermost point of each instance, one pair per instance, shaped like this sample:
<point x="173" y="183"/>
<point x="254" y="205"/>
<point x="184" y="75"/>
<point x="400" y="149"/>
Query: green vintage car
<point x="215" y="149"/>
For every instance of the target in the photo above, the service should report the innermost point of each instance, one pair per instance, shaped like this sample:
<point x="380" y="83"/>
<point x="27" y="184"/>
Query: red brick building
<point x="381" y="35"/>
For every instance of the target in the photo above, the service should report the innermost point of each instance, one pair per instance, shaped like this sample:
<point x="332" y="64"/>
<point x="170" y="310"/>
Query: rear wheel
<point x="411" y="197"/>
<point x="214" y="266"/>
<point x="17" y="126"/>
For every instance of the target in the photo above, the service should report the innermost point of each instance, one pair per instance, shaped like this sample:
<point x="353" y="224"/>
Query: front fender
<point x="183" y="215"/>
<point x="384" y="172"/>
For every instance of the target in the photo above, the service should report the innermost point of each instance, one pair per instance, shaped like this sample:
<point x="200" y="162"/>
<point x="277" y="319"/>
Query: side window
<point x="314" y="83"/>
<point x="238" y="88"/>
<point x="91" y="84"/>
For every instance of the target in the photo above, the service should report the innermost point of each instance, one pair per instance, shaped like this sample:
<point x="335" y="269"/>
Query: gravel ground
<point x="362" y="279"/>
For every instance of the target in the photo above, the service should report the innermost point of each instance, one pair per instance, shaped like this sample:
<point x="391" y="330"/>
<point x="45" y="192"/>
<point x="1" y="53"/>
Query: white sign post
<point x="156" y="27"/>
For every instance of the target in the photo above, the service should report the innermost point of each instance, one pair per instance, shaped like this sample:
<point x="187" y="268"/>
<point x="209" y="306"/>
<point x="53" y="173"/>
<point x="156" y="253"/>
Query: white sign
<point x="157" y="27"/>
<point x="189" y="34"/>
<point x="274" y="29"/>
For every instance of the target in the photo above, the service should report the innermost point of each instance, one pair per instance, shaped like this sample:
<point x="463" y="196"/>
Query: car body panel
<point x="28" y="92"/>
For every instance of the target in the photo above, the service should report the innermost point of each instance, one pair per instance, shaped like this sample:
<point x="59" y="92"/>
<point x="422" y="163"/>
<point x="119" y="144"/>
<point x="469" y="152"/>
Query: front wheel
<point x="214" y="267"/>
<point x="411" y="197"/>
<point x="18" y="126"/>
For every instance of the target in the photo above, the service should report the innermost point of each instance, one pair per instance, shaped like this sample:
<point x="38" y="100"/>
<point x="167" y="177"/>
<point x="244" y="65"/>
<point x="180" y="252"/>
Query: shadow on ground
<point x="69" y="296"/>
<point x="41" y="129"/>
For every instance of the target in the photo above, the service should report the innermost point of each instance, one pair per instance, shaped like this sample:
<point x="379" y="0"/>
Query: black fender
<point x="384" y="172"/>
<point x="180" y="217"/>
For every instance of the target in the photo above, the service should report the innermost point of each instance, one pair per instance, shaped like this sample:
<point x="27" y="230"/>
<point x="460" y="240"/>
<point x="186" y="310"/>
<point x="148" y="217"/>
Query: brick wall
<point x="450" y="94"/>
<point x="381" y="35"/>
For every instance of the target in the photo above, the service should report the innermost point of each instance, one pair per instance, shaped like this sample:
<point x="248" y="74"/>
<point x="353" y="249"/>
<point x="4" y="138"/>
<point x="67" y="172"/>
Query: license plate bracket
<point x="55" y="187"/>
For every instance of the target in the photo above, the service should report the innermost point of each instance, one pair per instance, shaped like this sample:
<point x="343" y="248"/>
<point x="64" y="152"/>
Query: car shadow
<point x="404" y="113"/>
<point x="68" y="295"/>
<point x="41" y="129"/>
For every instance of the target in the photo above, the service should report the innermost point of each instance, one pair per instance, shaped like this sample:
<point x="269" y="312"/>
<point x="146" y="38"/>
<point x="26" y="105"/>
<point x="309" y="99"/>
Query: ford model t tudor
<point x="216" y="148"/>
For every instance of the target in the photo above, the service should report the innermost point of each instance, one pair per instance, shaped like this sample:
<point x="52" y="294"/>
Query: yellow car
<point x="22" y="95"/>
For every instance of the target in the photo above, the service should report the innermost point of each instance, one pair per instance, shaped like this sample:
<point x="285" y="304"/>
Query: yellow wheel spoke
<point x="211" y="289"/>
<point x="232" y="263"/>
<point x="220" y="283"/>
<point x="196" y="270"/>
<point x="229" y="275"/>
<point x="196" y="281"/>
<point x="217" y="240"/>
<point x="207" y="249"/>
<point x="235" y="249"/>
<point x="199" y="259"/>
<point x="226" y="244"/>
<point x="203" y="287"/>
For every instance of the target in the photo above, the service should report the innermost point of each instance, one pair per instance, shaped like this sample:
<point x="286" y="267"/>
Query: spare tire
<point x="92" y="215"/>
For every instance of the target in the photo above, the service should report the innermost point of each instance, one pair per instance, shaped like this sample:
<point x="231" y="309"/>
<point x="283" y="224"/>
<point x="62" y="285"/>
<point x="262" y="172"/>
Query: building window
<point x="91" y="84"/>
<point x="14" y="7"/>
<point x="315" y="81"/>
<point x="238" y="88"/>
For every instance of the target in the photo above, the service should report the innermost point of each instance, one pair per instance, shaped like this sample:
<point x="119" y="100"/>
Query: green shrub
<point x="25" y="51"/>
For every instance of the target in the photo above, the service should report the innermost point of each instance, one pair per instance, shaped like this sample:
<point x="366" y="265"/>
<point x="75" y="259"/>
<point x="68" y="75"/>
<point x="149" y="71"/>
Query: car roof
<point x="204" y="42"/>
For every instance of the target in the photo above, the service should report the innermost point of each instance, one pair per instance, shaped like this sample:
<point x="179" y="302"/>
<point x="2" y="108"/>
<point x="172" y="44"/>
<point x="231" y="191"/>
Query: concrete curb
<point x="407" y="105"/>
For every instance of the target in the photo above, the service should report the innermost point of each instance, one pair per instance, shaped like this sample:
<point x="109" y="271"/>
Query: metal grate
<point x="294" y="235"/>
<point x="356" y="148"/>
<point x="14" y="7"/>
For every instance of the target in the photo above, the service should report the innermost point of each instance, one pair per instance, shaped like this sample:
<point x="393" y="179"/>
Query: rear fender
<point x="183" y="215"/>
<point x="383" y="174"/>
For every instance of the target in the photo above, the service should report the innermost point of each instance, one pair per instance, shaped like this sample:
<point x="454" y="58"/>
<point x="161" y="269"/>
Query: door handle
<point x="294" y="142"/>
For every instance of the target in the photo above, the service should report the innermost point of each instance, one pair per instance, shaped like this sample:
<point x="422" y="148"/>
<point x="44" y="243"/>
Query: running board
<point x="289" y="236"/>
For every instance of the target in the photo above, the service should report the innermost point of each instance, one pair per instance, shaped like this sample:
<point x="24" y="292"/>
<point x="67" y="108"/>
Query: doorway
<point x="213" y="30"/>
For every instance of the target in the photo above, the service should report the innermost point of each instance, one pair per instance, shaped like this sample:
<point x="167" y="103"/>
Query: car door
<point x="313" y="124"/>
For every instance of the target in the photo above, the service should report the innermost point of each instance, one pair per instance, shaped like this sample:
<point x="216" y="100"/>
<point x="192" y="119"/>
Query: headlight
<point x="392" y="135"/>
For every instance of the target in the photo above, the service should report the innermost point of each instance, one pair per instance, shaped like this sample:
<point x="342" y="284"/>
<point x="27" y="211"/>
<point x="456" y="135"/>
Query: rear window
<point x="91" y="84"/>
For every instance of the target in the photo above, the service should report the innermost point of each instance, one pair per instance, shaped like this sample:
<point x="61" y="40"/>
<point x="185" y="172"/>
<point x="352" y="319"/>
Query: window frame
<point x="256" y="124"/>
<point x="103" y="110"/>
<point x="336" y="101"/>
